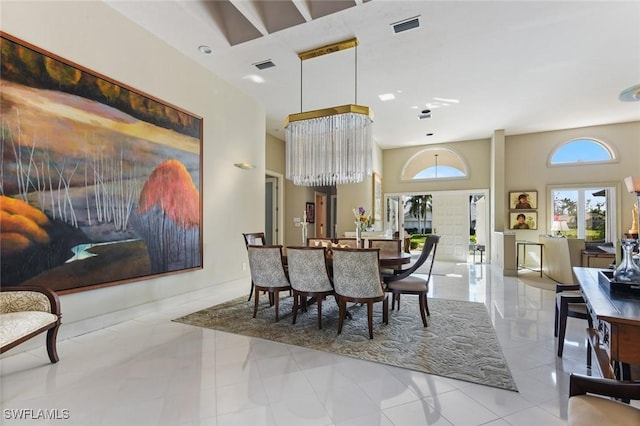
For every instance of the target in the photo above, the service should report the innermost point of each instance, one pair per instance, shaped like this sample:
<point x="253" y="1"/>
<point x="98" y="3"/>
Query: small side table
<point x="477" y="248"/>
<point x="524" y="245"/>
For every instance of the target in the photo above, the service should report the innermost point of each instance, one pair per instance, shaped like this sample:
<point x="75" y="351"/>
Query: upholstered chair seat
<point x="25" y="312"/>
<point x="570" y="303"/>
<point x="591" y="403"/>
<point x="404" y="282"/>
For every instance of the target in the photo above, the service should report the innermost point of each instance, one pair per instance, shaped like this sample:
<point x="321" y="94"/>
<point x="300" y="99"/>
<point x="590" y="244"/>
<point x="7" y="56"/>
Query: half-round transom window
<point x="434" y="163"/>
<point x="582" y="151"/>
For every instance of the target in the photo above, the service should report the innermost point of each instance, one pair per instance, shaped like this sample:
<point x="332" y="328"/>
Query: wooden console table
<point x="616" y="318"/>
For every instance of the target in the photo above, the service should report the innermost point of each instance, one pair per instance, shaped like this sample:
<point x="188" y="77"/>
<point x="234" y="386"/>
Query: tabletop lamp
<point x="633" y="186"/>
<point x="559" y="226"/>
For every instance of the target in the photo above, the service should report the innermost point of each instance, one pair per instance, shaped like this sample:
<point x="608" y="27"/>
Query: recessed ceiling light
<point x="386" y="97"/>
<point x="205" y="49"/>
<point x="449" y="101"/>
<point x="255" y="78"/>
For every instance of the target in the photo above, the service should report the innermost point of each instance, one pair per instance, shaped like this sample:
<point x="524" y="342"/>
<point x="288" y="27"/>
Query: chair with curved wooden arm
<point x="25" y="312"/>
<point x="587" y="409"/>
<point x="309" y="277"/>
<point x="406" y="283"/>
<point x="267" y="274"/>
<point x="356" y="278"/>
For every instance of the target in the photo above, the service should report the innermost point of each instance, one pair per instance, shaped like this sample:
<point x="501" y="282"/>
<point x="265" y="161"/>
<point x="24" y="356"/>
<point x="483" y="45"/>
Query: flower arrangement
<point x="363" y="220"/>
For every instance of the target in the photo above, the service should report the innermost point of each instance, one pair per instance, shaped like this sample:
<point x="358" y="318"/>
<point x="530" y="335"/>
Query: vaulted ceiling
<point x="521" y="66"/>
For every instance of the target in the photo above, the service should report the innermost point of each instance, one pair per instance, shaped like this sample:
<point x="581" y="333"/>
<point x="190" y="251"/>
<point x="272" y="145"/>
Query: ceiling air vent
<point x="264" y="64"/>
<point x="406" y="25"/>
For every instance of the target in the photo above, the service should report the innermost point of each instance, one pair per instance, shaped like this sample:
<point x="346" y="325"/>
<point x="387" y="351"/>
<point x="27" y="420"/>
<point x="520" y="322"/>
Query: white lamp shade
<point x="559" y="225"/>
<point x="633" y="184"/>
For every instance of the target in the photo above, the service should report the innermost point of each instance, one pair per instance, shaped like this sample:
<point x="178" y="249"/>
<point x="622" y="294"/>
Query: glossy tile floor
<point x="151" y="371"/>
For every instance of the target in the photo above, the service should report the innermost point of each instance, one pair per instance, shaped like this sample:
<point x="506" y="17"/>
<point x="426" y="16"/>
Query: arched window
<point x="434" y="163"/>
<point x="582" y="150"/>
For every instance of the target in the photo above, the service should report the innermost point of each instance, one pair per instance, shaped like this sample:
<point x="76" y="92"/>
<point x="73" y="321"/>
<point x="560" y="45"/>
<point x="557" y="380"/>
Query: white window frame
<point x="613" y="206"/>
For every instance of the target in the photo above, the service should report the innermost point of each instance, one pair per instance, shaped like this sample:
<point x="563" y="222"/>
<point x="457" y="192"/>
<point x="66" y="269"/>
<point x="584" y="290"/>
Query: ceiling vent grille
<point x="406" y="25"/>
<point x="264" y="64"/>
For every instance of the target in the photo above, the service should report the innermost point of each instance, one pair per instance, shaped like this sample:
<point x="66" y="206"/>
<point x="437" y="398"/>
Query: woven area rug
<point x="459" y="343"/>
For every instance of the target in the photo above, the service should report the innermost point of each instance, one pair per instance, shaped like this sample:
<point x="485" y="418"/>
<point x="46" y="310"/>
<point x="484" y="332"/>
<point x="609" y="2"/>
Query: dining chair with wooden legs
<point x="407" y="283"/>
<point x="570" y="303"/>
<point x="594" y="401"/>
<point x="388" y="246"/>
<point x="309" y="277"/>
<point x="253" y="238"/>
<point x="356" y="278"/>
<point x="319" y="242"/>
<point x="348" y="242"/>
<point x="267" y="274"/>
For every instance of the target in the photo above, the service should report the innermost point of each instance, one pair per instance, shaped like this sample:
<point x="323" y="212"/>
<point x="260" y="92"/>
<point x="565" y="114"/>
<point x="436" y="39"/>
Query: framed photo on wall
<point x="376" y="214"/>
<point x="311" y="212"/>
<point x="523" y="220"/>
<point x="523" y="200"/>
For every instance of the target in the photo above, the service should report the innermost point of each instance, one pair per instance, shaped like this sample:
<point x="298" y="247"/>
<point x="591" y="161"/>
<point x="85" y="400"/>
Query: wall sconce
<point x="559" y="226"/>
<point x="244" y="166"/>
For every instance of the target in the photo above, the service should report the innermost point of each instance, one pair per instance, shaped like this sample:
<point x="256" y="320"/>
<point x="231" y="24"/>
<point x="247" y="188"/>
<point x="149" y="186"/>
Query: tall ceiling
<point x="478" y="66"/>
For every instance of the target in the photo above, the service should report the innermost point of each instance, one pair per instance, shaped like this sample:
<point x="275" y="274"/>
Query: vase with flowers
<point x="362" y="222"/>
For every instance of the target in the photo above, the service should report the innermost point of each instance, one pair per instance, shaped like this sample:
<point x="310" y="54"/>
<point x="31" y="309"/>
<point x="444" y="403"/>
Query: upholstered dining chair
<point x="570" y="303"/>
<point x="591" y="403"/>
<point x="388" y="246"/>
<point x="391" y="246"/>
<point x="356" y="278"/>
<point x="317" y="241"/>
<point x="253" y="238"/>
<point x="348" y="242"/>
<point x="407" y="283"/>
<point x="267" y="274"/>
<point x="309" y="277"/>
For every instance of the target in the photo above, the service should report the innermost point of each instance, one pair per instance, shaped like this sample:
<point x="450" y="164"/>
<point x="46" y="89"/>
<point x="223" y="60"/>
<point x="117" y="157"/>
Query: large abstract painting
<point x="100" y="184"/>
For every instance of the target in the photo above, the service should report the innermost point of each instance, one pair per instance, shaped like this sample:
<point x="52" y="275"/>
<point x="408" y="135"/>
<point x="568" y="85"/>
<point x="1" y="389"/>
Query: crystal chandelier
<point x="329" y="146"/>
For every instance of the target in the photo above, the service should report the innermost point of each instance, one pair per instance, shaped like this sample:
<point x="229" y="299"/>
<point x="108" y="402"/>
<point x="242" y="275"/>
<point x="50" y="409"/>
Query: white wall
<point x="95" y="36"/>
<point x="527" y="168"/>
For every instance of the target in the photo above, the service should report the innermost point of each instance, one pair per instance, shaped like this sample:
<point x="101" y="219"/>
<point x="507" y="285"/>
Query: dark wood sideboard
<point x="615" y="338"/>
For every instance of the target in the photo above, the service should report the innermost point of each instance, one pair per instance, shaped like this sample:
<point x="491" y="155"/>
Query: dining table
<point x="392" y="260"/>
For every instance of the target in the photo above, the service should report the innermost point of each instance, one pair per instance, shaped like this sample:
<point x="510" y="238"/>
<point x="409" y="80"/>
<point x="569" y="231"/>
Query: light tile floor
<point x="151" y="371"/>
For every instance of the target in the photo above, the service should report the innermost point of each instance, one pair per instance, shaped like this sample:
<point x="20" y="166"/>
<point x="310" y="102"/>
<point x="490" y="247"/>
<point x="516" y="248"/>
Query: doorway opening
<point x="459" y="217"/>
<point x="273" y="202"/>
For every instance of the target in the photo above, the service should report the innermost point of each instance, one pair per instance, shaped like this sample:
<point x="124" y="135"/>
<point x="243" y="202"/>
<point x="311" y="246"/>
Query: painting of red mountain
<point x="168" y="218"/>
<point x="100" y="184"/>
